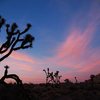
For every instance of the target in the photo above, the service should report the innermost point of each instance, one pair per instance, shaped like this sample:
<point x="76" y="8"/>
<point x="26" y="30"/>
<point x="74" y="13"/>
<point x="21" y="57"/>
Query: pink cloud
<point x="76" y="43"/>
<point x="23" y="57"/>
<point x="74" y="48"/>
<point x="75" y="52"/>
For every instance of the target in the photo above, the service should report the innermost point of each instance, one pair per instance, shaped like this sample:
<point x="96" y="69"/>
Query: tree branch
<point x="13" y="38"/>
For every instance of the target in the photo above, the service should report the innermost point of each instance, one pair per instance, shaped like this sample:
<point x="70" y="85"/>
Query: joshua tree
<point x="14" y="40"/>
<point x="13" y="76"/>
<point x="51" y="77"/>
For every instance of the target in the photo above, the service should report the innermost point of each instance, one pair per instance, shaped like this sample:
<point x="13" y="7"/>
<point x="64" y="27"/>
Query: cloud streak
<point x="22" y="57"/>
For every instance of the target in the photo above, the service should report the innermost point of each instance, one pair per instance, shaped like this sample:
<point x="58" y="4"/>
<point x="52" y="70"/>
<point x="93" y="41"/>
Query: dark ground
<point x="63" y="91"/>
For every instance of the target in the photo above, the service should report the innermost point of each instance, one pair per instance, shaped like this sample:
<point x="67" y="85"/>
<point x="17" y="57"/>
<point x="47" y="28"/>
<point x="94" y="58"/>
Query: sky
<point x="67" y="38"/>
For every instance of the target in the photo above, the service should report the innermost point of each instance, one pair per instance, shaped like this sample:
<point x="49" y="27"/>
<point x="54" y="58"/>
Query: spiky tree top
<point x="6" y="67"/>
<point x="14" y="40"/>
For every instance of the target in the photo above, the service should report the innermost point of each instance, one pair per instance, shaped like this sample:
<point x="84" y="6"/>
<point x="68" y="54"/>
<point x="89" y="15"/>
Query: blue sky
<point x="56" y="25"/>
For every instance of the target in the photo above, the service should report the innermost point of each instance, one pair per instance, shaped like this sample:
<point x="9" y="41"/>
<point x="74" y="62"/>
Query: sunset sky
<point x="67" y="38"/>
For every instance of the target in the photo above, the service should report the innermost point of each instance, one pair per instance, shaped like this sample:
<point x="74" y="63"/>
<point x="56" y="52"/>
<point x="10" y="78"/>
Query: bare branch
<point x="14" y="39"/>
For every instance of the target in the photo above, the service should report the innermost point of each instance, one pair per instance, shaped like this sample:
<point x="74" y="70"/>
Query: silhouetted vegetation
<point x="70" y="91"/>
<point x="52" y="77"/>
<point x="15" y="39"/>
<point x="13" y="76"/>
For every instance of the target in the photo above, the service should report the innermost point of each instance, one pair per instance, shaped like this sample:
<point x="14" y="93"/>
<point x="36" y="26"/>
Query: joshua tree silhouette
<point x="13" y="76"/>
<point x="52" y="77"/>
<point x="14" y="40"/>
<point x="49" y="76"/>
